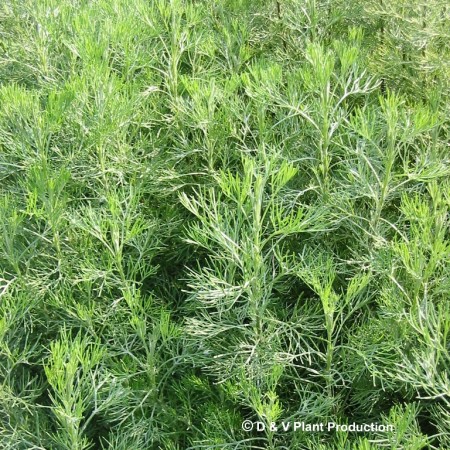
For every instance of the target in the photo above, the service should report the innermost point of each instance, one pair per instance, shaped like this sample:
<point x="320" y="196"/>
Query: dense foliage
<point x="218" y="211"/>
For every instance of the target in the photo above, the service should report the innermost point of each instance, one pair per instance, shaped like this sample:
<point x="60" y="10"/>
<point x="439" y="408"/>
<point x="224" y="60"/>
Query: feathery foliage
<point x="214" y="212"/>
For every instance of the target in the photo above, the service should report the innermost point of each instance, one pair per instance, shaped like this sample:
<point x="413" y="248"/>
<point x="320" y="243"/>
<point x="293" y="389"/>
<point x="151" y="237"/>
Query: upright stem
<point x="383" y="81"/>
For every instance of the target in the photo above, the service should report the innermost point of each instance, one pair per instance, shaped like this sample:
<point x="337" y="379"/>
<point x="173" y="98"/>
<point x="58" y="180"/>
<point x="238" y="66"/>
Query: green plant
<point x="218" y="212"/>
